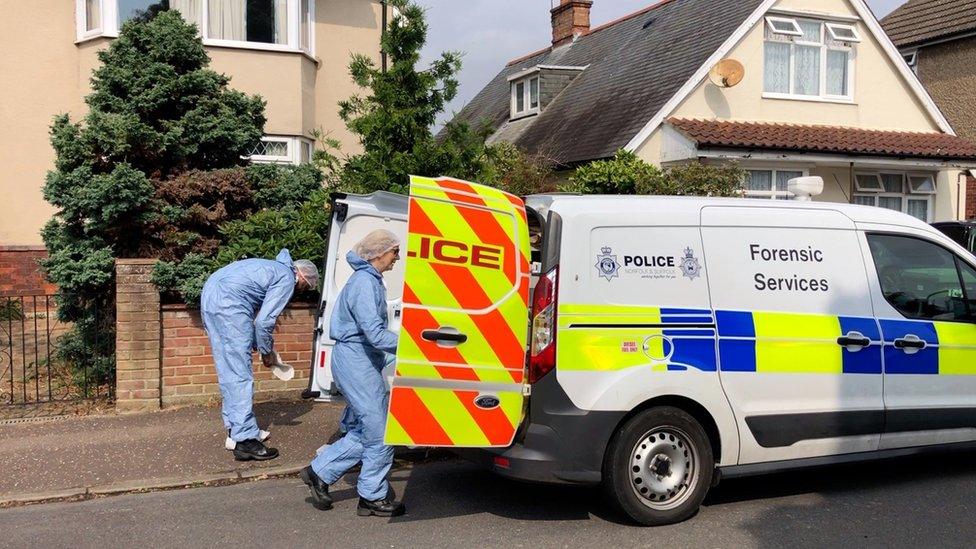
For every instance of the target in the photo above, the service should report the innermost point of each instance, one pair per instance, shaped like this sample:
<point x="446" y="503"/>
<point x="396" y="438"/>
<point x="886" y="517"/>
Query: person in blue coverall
<point x="240" y="306"/>
<point x="359" y="327"/>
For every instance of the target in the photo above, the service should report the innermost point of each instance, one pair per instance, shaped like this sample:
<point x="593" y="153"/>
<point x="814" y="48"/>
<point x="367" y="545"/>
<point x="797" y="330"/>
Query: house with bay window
<point x="815" y="88"/>
<point x="293" y="53"/>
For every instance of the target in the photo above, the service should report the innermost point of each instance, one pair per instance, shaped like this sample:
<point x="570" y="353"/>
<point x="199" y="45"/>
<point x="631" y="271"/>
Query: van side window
<point x="920" y="279"/>
<point x="969" y="286"/>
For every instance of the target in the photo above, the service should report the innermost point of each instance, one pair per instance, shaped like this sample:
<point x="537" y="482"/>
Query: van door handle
<point x="444" y="334"/>
<point x="910" y="344"/>
<point x="853" y="339"/>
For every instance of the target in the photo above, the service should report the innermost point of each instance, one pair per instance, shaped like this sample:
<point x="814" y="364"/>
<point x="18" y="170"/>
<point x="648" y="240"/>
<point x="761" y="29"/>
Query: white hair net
<point x="376" y="244"/>
<point x="308" y="271"/>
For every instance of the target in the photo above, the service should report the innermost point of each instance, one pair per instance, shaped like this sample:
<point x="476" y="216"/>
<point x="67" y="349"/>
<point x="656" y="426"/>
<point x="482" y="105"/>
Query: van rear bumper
<point x="561" y="444"/>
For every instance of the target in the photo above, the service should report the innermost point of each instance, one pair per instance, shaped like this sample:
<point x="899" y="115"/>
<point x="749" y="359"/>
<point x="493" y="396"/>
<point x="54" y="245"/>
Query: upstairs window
<point x="261" y="21"/>
<point x="808" y="59"/>
<point x="262" y="24"/>
<point x="525" y="97"/>
<point x="93" y="15"/>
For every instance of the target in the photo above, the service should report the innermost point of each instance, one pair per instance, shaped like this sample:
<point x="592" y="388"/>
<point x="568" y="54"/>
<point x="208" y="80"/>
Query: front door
<point x="460" y="365"/>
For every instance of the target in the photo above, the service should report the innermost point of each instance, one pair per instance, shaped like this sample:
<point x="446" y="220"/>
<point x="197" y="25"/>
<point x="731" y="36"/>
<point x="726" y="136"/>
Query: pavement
<point x="925" y="501"/>
<point x="82" y="457"/>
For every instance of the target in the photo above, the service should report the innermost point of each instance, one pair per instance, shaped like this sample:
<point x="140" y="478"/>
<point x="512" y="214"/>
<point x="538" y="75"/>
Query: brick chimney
<point x="571" y="18"/>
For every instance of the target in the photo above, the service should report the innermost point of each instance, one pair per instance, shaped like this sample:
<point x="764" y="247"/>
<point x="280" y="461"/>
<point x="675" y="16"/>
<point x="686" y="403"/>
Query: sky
<point x="489" y="33"/>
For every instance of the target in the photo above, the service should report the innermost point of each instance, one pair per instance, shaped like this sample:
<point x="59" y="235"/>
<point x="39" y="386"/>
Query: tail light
<point x="542" y="355"/>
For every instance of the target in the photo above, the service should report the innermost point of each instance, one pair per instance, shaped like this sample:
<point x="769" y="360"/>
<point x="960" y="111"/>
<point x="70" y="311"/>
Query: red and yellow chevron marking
<point x="467" y="268"/>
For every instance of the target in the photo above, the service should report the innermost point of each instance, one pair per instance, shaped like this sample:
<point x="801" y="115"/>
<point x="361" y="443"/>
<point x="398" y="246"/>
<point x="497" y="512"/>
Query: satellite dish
<point x="727" y="73"/>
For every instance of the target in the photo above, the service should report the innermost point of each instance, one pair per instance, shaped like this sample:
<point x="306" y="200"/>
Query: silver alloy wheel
<point x="663" y="468"/>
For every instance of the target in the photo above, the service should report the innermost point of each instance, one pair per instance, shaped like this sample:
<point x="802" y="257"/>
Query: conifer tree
<point x="394" y="120"/>
<point x="155" y="111"/>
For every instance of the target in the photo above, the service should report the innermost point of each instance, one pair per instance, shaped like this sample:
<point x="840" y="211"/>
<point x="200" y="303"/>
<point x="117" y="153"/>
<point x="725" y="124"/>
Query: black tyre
<point x="658" y="466"/>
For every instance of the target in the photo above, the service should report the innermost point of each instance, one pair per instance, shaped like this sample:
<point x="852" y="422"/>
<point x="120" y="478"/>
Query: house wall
<point x="46" y="73"/>
<point x="883" y="100"/>
<point x="948" y="71"/>
<point x="40" y="73"/>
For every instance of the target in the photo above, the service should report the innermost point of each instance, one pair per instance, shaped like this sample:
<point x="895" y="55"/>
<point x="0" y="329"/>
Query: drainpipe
<point x="383" y="35"/>
<point x="960" y="212"/>
<point x="851" y="182"/>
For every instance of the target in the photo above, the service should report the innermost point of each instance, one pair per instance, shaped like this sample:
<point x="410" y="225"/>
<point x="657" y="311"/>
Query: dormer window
<point x="530" y="96"/>
<point x="525" y="96"/>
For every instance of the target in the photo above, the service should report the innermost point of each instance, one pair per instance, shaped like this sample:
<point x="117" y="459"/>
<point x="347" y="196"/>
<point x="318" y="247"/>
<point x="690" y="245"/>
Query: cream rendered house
<point x="824" y="93"/>
<point x="294" y="53"/>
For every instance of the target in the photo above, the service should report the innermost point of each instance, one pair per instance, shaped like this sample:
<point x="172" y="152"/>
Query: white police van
<point x="664" y="342"/>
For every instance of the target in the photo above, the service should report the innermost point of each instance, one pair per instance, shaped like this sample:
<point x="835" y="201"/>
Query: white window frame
<point x="906" y="195"/>
<point x="912" y="190"/>
<point x="826" y="47"/>
<point x="835" y="28"/>
<point x="772" y="21"/>
<point x="771" y="194"/>
<point x="528" y="109"/>
<point x="911" y="59"/>
<point x="879" y="188"/>
<point x="296" y="146"/>
<point x="109" y="27"/>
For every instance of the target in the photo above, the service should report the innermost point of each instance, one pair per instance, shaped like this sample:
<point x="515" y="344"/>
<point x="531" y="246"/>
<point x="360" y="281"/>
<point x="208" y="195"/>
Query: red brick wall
<point x="188" y="375"/>
<point x="971" y="198"/>
<point x="19" y="272"/>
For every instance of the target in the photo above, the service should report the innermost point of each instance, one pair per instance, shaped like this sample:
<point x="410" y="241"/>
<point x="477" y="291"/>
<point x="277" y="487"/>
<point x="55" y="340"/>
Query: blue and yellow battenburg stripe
<point x="603" y="338"/>
<point x="795" y="343"/>
<point x="950" y="348"/>
<point x="599" y="338"/>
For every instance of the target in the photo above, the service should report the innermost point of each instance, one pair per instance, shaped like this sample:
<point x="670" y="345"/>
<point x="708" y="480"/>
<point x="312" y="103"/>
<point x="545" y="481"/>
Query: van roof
<point x="573" y="204"/>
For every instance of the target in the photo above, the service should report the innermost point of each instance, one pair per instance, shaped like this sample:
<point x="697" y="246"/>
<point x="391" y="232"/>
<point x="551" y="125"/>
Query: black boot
<point x="318" y="488"/>
<point x="247" y="450"/>
<point x="386" y="507"/>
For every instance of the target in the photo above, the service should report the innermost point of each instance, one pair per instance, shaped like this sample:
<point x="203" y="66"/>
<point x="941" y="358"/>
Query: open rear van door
<point x="460" y="365"/>
<point x="353" y="217"/>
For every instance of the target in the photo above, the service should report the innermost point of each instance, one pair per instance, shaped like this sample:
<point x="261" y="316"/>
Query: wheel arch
<point x="688" y="405"/>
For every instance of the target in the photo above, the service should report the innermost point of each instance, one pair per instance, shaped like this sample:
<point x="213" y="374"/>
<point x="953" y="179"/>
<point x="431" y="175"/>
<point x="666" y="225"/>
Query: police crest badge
<point x="690" y="267"/>
<point x="606" y="264"/>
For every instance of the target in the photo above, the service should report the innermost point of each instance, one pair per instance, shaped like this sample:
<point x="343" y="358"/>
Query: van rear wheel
<point x="659" y="466"/>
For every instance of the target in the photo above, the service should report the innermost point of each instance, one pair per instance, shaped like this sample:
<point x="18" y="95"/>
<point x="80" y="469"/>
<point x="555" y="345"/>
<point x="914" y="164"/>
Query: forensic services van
<point x="654" y="344"/>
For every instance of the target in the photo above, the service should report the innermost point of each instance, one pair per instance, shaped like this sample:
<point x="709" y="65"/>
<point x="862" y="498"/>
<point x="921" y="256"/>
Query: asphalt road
<point x="911" y="502"/>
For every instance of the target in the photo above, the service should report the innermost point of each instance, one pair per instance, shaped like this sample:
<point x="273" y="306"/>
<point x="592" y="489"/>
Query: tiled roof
<point x="824" y="139"/>
<point x="919" y="21"/>
<point x="634" y="66"/>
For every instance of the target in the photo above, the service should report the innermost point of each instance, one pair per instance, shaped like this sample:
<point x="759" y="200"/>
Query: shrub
<point x="511" y="169"/>
<point x="277" y="186"/>
<point x="301" y="229"/>
<point x="626" y="173"/>
<point x="184" y="279"/>
<point x="191" y="207"/>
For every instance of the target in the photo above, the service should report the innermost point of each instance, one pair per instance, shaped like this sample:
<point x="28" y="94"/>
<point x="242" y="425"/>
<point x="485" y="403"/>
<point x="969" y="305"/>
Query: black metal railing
<point x="31" y="370"/>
